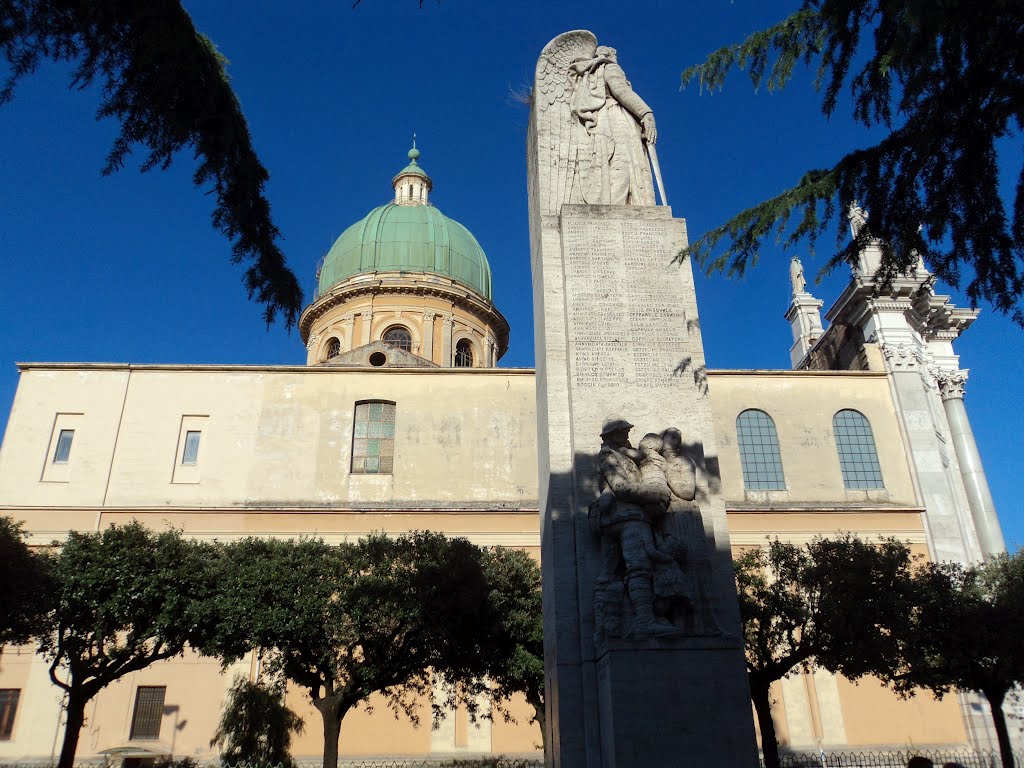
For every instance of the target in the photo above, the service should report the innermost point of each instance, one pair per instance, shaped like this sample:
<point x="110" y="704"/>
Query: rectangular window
<point x="186" y="466"/>
<point x="373" y="438"/>
<point x="149" y="711"/>
<point x="63" y="450"/>
<point x="57" y="464"/>
<point x="191" y="453"/>
<point x="8" y="708"/>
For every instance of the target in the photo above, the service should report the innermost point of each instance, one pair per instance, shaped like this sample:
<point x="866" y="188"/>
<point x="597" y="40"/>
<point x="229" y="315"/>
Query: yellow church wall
<point x="93" y="398"/>
<point x="363" y="731"/>
<point x="747" y="527"/>
<point x="517" y="735"/>
<point x="274" y="460"/>
<point x="274" y="437"/>
<point x="876" y="716"/>
<point x="802" y="404"/>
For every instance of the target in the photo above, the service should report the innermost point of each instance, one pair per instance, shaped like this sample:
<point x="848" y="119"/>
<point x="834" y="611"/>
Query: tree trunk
<point x="759" y="692"/>
<point x="75" y="718"/>
<point x="330" y="712"/>
<point x="540" y="717"/>
<point x="995" y="702"/>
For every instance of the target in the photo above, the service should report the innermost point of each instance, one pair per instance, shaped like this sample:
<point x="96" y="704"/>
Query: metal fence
<point x="787" y="759"/>
<point x="891" y="759"/>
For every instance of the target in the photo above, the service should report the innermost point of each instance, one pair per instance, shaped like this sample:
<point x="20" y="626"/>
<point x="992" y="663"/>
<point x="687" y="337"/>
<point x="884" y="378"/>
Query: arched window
<point x="464" y="354"/>
<point x="333" y="348"/>
<point x="399" y="337"/>
<point x="759" y="452"/>
<point x="858" y="458"/>
<point x="373" y="438"/>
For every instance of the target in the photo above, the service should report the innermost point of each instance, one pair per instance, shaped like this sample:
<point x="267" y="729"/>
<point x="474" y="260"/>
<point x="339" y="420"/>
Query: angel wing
<point x="557" y="131"/>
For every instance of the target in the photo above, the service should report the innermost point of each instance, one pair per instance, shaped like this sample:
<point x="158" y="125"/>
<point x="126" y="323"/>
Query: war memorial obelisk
<point x="642" y="640"/>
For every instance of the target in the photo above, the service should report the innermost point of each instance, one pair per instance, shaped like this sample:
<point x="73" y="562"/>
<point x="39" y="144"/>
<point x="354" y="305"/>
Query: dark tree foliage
<point x="256" y="726"/>
<point x="833" y="603"/>
<point x="399" y="617"/>
<point x="514" y="579"/>
<point x="121" y="600"/>
<point x="23" y="597"/>
<point x="947" y="80"/>
<point x="966" y="634"/>
<point x="166" y="84"/>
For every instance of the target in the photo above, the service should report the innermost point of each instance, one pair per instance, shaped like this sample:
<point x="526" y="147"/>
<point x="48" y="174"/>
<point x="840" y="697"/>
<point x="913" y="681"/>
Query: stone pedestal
<point x="617" y="333"/>
<point x="664" y="707"/>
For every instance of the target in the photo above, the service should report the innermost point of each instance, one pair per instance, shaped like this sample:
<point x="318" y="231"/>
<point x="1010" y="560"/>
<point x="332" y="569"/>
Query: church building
<point x="402" y="419"/>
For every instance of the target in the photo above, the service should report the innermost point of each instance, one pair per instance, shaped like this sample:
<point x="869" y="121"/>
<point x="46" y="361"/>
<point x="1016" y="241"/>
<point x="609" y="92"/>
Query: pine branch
<point x="166" y="84"/>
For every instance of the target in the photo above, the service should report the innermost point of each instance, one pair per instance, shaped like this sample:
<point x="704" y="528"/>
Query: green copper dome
<point x="407" y="238"/>
<point x="408" y="235"/>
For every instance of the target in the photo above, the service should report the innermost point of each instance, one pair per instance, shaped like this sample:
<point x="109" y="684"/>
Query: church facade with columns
<point x="403" y="419"/>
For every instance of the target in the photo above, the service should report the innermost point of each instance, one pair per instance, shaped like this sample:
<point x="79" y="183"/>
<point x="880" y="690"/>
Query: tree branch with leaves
<point x="832" y="603"/>
<point x="167" y="85"/>
<point x="947" y="82"/>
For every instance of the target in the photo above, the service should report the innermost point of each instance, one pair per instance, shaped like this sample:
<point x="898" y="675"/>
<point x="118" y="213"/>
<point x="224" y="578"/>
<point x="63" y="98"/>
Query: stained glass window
<point x="373" y="438"/>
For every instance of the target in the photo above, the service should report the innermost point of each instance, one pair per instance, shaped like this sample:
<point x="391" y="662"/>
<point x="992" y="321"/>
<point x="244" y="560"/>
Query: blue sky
<point x="128" y="269"/>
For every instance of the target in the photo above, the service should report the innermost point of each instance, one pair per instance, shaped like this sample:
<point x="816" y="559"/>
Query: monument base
<point x="673" y="707"/>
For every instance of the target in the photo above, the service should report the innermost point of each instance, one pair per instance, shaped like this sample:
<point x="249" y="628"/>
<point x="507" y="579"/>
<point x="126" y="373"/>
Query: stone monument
<point x="643" y="654"/>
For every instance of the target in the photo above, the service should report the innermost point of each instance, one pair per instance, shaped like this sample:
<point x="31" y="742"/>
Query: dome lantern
<point x="412" y="184"/>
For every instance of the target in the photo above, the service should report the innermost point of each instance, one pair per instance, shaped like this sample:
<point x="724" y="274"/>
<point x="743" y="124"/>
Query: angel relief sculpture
<point x="595" y="136"/>
<point x="655" y="574"/>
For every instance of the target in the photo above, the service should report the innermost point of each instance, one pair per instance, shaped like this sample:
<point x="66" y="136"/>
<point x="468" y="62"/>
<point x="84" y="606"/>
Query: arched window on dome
<point x="333" y="348"/>
<point x="464" y="354"/>
<point x="398" y="336"/>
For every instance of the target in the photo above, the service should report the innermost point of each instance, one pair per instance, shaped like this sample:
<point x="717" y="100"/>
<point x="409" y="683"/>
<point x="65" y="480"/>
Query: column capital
<point x="429" y="315"/>
<point x="951" y="384"/>
<point x="313" y="339"/>
<point x="904" y="357"/>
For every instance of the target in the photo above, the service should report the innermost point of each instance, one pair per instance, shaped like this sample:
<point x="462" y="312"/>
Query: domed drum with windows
<point x="405" y="277"/>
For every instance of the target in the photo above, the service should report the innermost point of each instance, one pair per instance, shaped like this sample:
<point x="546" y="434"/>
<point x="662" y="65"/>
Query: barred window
<point x="333" y="348"/>
<point x="399" y="337"/>
<point x="149" y="711"/>
<point x="464" y="354"/>
<point x="759" y="452"/>
<point x="373" y="438"/>
<point x="8" y="709"/>
<point x="858" y="458"/>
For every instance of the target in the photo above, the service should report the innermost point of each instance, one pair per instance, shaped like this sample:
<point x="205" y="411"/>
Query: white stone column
<point x="979" y="497"/>
<point x="367" y="316"/>
<point x="347" y="323"/>
<point x="446" y="341"/>
<point x="428" y="334"/>
<point x="491" y="358"/>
